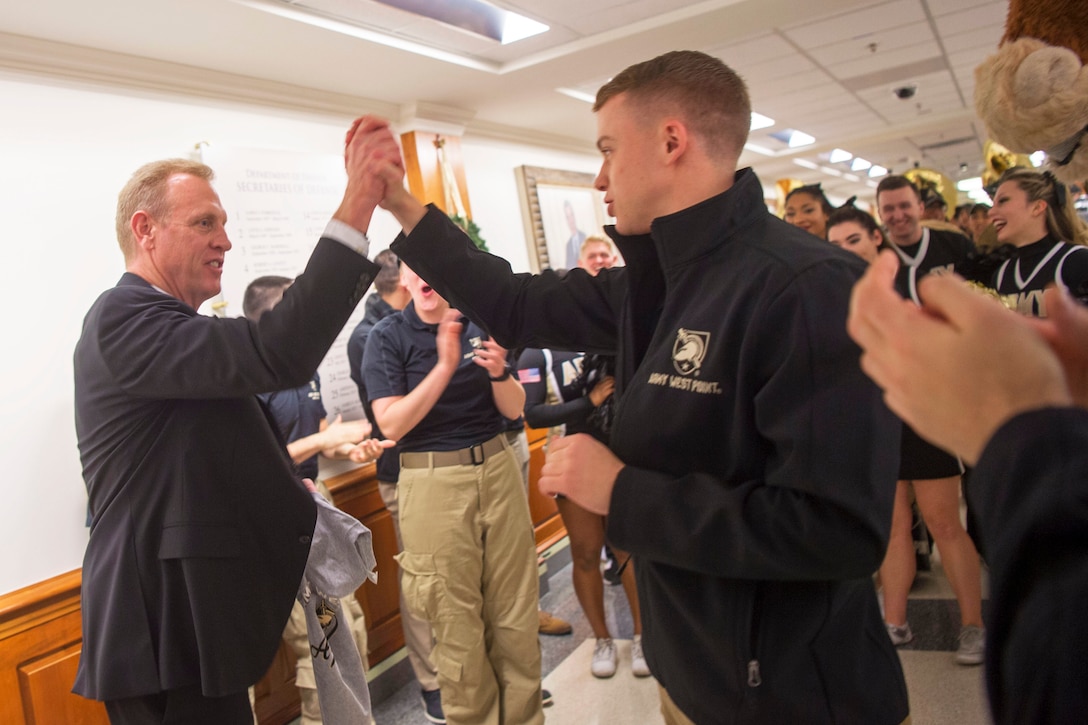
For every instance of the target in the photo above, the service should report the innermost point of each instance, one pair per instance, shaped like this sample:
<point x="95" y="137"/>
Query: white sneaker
<point x="638" y="661"/>
<point x="899" y="635"/>
<point x="972" y="646"/>
<point x="604" y="658"/>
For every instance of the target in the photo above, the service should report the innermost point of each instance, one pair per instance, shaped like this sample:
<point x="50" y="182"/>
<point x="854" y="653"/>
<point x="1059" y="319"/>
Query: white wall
<point x="493" y="193"/>
<point x="65" y="152"/>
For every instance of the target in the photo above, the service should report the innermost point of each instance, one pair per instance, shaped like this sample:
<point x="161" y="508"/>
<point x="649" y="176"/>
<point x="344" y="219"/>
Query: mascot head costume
<point x="1033" y="94"/>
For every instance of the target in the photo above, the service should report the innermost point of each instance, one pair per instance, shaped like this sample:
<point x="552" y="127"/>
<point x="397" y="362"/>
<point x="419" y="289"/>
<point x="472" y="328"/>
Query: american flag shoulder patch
<point x="529" y="375"/>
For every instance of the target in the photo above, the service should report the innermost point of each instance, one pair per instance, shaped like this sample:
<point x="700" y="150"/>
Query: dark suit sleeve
<point x="158" y="348"/>
<point x="1029" y="495"/>
<point x="573" y="312"/>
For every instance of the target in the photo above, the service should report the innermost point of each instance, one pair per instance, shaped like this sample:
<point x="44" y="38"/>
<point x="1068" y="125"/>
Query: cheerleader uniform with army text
<point x="937" y="252"/>
<point x="1022" y="278"/>
<point x="565" y="373"/>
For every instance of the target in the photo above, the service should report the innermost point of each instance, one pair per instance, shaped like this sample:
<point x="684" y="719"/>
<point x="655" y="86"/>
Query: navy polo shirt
<point x="400" y="352"/>
<point x="298" y="413"/>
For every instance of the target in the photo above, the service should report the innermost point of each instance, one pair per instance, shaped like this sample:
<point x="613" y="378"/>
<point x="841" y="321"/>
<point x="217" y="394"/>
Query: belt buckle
<point x="472" y="454"/>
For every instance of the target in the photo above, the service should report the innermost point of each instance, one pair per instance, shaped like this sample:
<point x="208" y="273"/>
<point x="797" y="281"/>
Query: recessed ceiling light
<point x="793" y="138"/>
<point x="805" y="163"/>
<point x="800" y="138"/>
<point x="975" y="182"/>
<point x="860" y="164"/>
<point x="830" y="171"/>
<point x="876" y="171"/>
<point x="839" y="155"/>
<point x="760" y="121"/>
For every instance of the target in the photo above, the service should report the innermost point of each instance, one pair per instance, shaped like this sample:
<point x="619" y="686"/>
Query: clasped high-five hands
<point x="376" y="173"/>
<point x="577" y="466"/>
<point x="961" y="365"/>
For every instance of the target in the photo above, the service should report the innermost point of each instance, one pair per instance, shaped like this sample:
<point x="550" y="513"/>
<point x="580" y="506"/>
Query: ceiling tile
<point x="968" y="20"/>
<point x="857" y="24"/>
<point x="878" y="85"/>
<point x="593" y="17"/>
<point x="877" y="62"/>
<point x="780" y="67"/>
<point x="858" y="49"/>
<point x="779" y="87"/>
<point x="980" y="8"/>
<point x="754" y="51"/>
<point x="985" y="37"/>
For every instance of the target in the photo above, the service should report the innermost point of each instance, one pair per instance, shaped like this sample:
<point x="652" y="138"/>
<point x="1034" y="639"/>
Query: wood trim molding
<point x="40" y="638"/>
<point x="31" y="606"/>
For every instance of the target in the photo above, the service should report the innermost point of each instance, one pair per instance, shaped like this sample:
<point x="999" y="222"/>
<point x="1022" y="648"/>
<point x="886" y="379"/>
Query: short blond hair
<point x="709" y="96"/>
<point x="595" y="239"/>
<point x="146" y="191"/>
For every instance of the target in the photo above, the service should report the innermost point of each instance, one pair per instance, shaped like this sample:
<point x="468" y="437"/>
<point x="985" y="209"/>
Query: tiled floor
<point x="941" y="692"/>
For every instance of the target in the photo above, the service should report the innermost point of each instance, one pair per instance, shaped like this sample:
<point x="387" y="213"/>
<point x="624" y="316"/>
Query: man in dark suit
<point x="187" y="584"/>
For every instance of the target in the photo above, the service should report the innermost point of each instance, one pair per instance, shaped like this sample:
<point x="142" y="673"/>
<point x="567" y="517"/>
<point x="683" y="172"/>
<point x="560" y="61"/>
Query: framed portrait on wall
<point x="560" y="209"/>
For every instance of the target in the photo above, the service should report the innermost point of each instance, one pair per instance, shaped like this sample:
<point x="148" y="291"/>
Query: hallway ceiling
<point x="828" y="68"/>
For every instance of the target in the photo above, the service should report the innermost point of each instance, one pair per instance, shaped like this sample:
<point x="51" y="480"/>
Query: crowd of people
<point x="749" y="522"/>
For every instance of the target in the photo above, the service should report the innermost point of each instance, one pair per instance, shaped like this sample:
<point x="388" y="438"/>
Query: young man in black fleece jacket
<point x="751" y="466"/>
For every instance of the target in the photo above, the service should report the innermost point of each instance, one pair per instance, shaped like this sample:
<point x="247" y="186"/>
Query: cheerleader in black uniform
<point x="809" y="209"/>
<point x="931" y="474"/>
<point x="1042" y="237"/>
<point x="574" y="390"/>
<point x="855" y="231"/>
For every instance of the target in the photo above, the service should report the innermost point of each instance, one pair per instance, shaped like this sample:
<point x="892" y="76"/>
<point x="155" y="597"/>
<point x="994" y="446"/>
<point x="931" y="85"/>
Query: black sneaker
<point x="612" y="573"/>
<point x="547" y="697"/>
<point x="432" y="706"/>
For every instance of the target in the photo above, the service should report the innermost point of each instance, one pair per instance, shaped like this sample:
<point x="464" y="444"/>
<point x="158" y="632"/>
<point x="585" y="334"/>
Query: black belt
<point x="473" y="456"/>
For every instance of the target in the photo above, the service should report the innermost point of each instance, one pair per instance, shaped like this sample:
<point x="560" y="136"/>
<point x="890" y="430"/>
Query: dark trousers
<point x="183" y="706"/>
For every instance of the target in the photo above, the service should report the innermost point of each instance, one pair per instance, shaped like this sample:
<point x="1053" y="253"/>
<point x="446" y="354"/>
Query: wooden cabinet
<point x="546" y="520"/>
<point x="40" y="639"/>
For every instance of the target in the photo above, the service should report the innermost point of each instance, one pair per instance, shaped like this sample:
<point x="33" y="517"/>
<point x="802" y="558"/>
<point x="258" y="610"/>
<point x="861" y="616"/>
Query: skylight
<point x="793" y="138"/>
<point x="475" y="16"/>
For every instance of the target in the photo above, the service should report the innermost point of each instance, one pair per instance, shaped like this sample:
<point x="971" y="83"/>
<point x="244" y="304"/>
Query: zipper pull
<point x="754" y="678"/>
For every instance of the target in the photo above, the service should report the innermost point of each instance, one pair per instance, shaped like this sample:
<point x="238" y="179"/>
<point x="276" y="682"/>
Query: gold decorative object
<point x="998" y="160"/>
<point x="929" y="181"/>
<point x="450" y="190"/>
